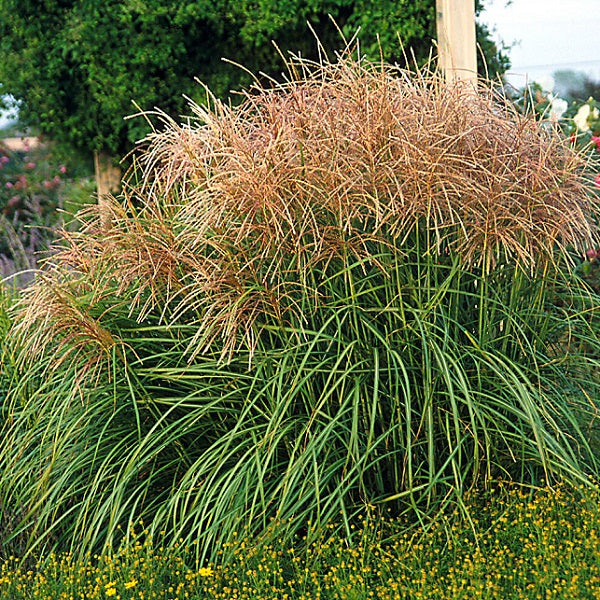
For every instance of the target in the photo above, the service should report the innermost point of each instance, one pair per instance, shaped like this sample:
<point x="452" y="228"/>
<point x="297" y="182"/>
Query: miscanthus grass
<point x="516" y="544"/>
<point x="354" y="289"/>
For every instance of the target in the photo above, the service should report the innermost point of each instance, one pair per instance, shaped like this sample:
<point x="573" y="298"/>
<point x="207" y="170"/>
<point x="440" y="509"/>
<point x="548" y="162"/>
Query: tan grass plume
<point x="237" y="205"/>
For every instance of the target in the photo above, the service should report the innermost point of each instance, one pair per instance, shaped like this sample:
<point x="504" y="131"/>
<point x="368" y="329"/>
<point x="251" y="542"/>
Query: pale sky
<point x="551" y="35"/>
<point x="4" y="120"/>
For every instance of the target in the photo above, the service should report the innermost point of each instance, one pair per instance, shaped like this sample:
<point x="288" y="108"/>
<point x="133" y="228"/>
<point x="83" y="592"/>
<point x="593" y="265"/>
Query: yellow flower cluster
<point x="137" y="571"/>
<point x="504" y="544"/>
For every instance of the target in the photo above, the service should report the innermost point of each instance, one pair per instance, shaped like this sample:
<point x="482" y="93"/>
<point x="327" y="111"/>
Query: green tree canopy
<point x="76" y="66"/>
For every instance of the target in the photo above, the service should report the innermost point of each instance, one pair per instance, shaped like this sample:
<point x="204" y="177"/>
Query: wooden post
<point x="108" y="182"/>
<point x="457" y="50"/>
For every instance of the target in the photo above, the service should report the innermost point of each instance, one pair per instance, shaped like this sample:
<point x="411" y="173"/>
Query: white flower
<point x="584" y="116"/>
<point x="558" y="107"/>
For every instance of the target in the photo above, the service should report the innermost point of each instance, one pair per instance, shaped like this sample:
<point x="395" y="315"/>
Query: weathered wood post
<point x="108" y="181"/>
<point x="457" y="50"/>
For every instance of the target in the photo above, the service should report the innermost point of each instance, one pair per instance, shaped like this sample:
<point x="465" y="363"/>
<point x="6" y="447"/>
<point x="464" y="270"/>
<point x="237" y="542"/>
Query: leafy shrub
<point x="354" y="289"/>
<point x="35" y="189"/>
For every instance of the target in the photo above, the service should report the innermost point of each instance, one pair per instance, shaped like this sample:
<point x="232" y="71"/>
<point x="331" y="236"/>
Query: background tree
<point x="76" y="66"/>
<point x="575" y="85"/>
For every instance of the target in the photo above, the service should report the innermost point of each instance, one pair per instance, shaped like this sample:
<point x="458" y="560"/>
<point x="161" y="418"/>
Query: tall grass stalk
<point x="353" y="290"/>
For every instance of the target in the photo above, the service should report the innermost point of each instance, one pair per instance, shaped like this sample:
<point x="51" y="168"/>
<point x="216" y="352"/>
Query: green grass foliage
<point x="354" y="290"/>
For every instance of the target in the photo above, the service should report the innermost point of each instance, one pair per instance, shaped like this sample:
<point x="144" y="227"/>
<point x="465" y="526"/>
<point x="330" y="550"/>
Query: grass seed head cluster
<point x="344" y="159"/>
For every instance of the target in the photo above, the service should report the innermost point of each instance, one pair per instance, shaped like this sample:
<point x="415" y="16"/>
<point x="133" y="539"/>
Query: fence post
<point x="108" y="182"/>
<point x="457" y="50"/>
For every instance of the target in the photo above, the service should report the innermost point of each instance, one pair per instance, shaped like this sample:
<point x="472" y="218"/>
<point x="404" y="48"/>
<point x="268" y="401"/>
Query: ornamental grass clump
<point x="352" y="290"/>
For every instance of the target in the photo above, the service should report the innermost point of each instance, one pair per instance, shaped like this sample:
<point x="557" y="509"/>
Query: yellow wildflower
<point x="110" y="589"/>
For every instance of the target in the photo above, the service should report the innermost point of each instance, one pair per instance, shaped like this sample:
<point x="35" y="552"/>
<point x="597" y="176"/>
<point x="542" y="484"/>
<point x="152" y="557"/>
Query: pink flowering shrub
<point x="583" y="125"/>
<point x="30" y="196"/>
